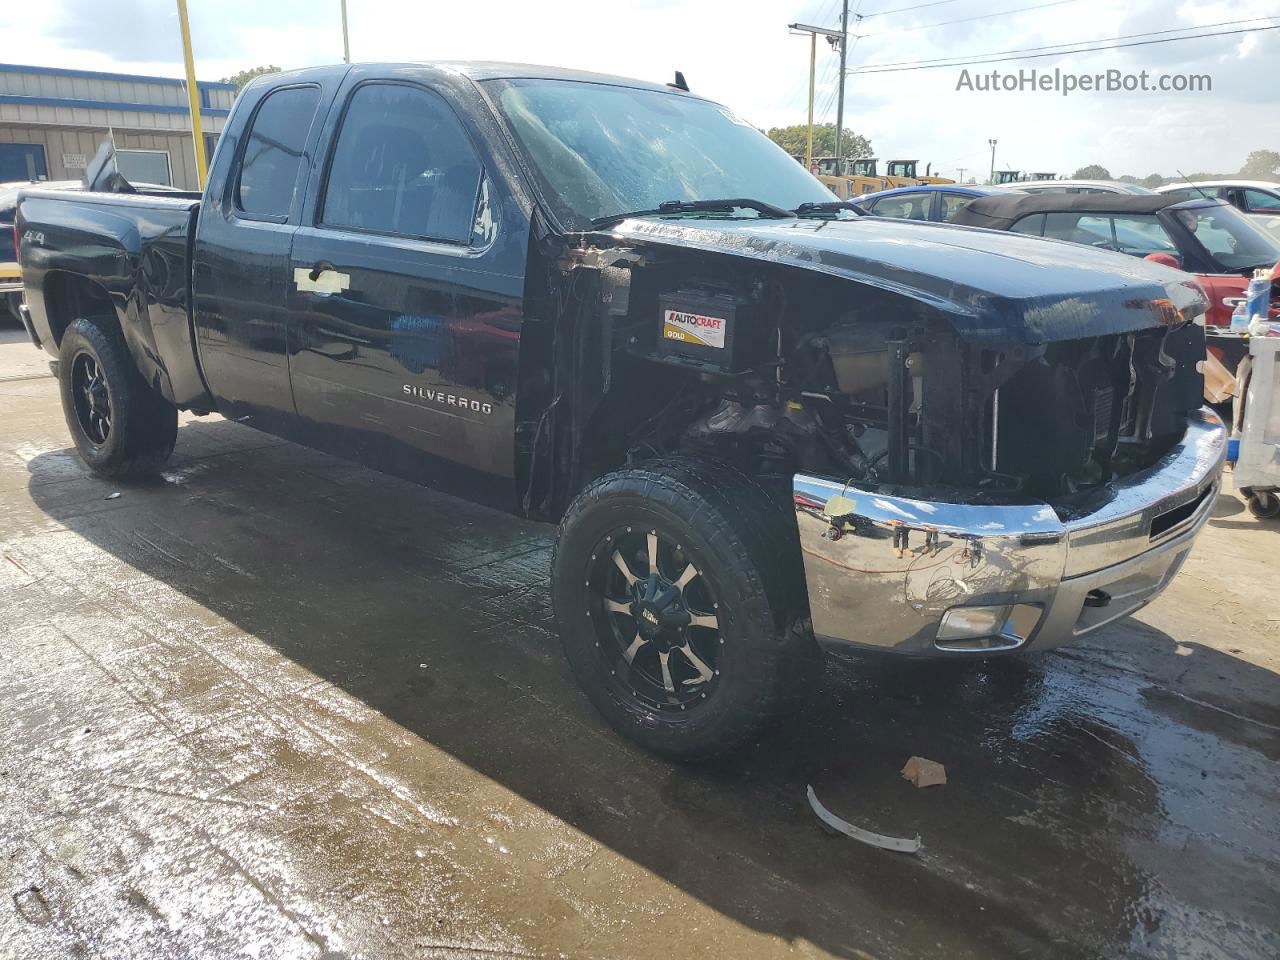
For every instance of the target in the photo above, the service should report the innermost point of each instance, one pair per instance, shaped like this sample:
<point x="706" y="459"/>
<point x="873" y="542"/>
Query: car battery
<point x="701" y="329"/>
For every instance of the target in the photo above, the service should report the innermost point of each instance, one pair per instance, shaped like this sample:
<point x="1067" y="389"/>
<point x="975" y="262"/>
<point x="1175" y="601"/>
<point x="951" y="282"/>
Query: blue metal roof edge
<point x="107" y="105"/>
<point x="99" y="75"/>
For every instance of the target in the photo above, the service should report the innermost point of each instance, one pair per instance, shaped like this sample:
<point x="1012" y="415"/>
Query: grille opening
<point x="1170" y="519"/>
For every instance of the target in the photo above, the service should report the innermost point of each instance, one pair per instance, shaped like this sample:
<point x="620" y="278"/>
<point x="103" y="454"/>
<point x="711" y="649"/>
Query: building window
<point x="22" y="161"/>
<point x="145" y="166"/>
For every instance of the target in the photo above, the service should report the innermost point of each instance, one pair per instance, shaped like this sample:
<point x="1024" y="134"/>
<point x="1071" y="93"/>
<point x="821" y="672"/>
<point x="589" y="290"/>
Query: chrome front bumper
<point x="884" y="571"/>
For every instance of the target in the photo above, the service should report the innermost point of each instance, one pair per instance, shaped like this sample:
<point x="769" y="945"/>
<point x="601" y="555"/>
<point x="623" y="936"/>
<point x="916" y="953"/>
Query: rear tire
<point x="698" y="656"/>
<point x="121" y="427"/>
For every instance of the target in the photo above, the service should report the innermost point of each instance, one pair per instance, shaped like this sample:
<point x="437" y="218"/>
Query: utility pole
<point x="193" y="96"/>
<point x="813" y="59"/>
<point x="961" y="180"/>
<point x="813" y="64"/>
<point x="993" y="161"/>
<point x="346" y="46"/>
<point x="844" y="49"/>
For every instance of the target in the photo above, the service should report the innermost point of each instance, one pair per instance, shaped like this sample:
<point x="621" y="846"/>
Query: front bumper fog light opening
<point x="987" y="628"/>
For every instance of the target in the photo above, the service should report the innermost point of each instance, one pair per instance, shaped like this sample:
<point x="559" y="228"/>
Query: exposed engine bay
<point x="783" y="371"/>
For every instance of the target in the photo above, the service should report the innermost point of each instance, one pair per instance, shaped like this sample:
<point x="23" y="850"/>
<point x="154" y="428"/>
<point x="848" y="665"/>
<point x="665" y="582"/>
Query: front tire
<point x="678" y="591"/>
<point x="122" y="428"/>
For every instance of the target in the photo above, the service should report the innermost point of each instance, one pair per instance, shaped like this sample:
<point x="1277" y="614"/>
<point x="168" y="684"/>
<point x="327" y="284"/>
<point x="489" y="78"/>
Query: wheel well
<point x="69" y="296"/>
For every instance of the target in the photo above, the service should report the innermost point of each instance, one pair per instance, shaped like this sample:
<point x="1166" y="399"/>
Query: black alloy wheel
<point x="679" y="595"/>
<point x="92" y="398"/>
<point x="121" y="424"/>
<point x="656" y="619"/>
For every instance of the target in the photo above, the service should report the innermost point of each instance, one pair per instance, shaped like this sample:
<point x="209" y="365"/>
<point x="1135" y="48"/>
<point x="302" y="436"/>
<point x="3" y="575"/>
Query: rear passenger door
<point x="406" y="282"/>
<point x="243" y="239"/>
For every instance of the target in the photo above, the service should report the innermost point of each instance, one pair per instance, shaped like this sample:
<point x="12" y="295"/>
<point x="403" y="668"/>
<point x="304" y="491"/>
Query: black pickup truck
<point x="767" y="424"/>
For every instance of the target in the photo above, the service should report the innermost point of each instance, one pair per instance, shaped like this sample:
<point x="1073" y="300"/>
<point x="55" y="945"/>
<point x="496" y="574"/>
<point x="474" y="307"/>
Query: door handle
<point x="323" y="279"/>
<point x="320" y="266"/>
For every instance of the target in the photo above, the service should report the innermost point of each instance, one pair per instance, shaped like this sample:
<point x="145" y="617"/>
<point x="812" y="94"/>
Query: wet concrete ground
<point x="278" y="706"/>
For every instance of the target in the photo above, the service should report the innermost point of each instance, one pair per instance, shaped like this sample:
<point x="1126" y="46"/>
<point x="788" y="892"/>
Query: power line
<point x="1059" y="49"/>
<point x="831" y="94"/>
<point x="983" y="16"/>
<point x="825" y="12"/>
<point x="822" y="12"/>
<point x="918" y="6"/>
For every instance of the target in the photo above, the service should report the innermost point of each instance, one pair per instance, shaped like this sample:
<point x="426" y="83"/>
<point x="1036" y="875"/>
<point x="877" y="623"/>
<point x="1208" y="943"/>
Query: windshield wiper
<point x="766" y="211"/>
<point x="830" y="206"/>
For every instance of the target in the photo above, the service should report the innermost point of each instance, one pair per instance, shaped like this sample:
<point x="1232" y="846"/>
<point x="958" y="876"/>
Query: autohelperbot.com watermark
<point x="1065" y="83"/>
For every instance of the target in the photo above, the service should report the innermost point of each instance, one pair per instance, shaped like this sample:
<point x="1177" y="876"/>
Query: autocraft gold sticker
<point x="695" y="328"/>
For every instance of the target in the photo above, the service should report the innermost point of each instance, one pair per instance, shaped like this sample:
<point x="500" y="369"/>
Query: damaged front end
<point x="978" y="460"/>
<point x="923" y="571"/>
<point x="1024" y="495"/>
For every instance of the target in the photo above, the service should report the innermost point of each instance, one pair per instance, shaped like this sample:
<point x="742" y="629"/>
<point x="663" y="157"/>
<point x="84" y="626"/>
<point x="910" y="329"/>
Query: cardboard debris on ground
<point x="924" y="773"/>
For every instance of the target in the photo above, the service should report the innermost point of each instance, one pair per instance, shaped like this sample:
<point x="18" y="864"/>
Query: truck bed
<point x="136" y="248"/>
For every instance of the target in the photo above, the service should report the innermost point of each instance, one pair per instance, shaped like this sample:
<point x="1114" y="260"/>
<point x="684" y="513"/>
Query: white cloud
<point x="739" y="52"/>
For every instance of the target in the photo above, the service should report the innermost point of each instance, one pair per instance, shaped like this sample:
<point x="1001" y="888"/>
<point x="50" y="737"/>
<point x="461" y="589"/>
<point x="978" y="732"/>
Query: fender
<point x="138" y="256"/>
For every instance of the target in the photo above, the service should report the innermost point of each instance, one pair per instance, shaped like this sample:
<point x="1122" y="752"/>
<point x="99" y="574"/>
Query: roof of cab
<point x="480" y="70"/>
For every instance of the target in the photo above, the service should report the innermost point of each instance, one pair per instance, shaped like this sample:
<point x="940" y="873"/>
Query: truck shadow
<point x="1049" y="840"/>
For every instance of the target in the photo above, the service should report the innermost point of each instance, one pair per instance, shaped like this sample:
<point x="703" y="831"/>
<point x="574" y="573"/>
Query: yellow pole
<point x="193" y="97"/>
<point x="813" y="60"/>
<point x="346" y="47"/>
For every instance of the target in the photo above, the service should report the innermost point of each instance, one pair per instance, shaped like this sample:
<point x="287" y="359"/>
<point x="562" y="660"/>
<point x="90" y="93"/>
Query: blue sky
<point x="740" y="52"/>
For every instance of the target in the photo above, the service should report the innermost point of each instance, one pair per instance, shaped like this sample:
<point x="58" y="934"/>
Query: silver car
<point x="1074" y="186"/>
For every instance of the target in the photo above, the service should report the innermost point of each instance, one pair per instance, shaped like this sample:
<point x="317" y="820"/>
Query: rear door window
<point x="1033" y="224"/>
<point x="1061" y="226"/>
<point x="273" y="151"/>
<point x="1095" y="231"/>
<point x="1141" y="235"/>
<point x="905" y="206"/>
<point x="951" y="205"/>
<point x="1260" y="200"/>
<point x="403" y="165"/>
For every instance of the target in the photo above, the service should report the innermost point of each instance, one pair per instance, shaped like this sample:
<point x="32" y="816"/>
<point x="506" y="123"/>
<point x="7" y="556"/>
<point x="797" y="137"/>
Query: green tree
<point x="242" y="78"/>
<point x="1261" y="165"/>
<point x="792" y="139"/>
<point x="1152" y="181"/>
<point x="1093" y="171"/>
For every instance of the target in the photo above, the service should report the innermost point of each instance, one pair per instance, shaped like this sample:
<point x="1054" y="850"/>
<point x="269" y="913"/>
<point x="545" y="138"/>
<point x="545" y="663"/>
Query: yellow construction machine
<point x="903" y="174"/>
<point x="849" y="178"/>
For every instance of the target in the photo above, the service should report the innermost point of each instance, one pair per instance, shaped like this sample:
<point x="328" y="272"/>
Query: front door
<point x="405" y="292"/>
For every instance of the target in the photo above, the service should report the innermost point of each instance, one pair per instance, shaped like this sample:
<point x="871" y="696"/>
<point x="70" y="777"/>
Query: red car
<point x="1206" y="237"/>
